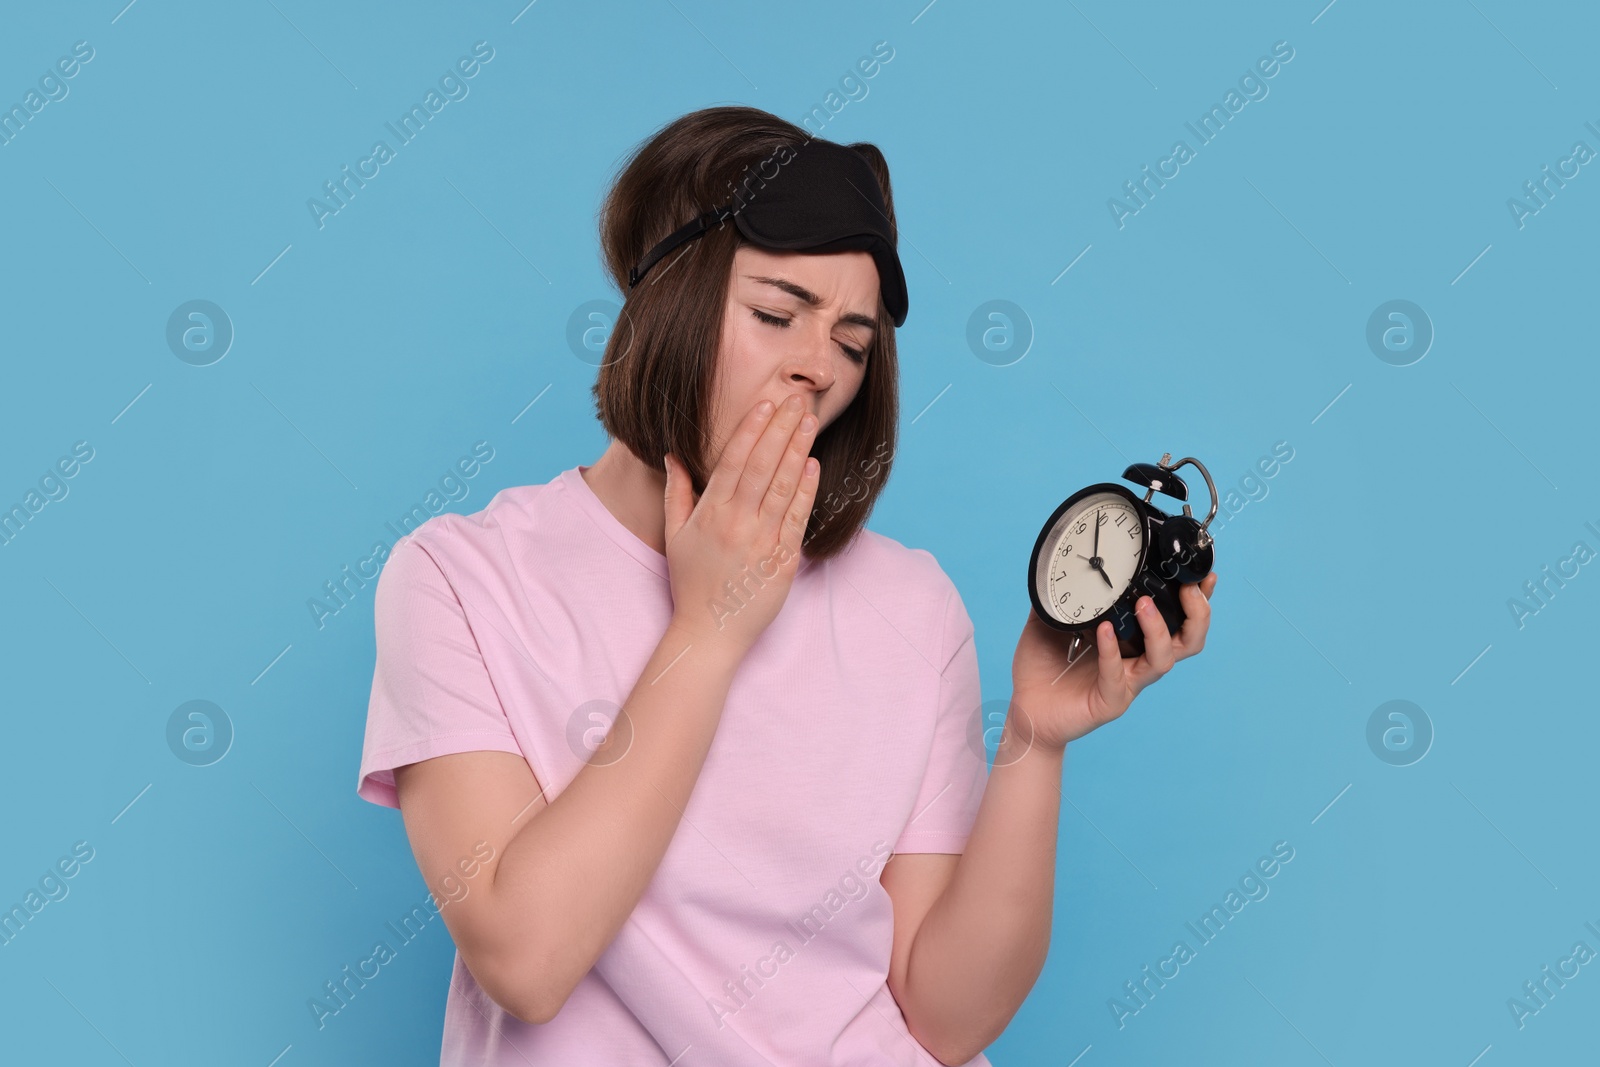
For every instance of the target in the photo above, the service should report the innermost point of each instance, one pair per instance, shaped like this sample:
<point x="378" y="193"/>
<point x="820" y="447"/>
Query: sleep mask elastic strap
<point x="686" y="232"/>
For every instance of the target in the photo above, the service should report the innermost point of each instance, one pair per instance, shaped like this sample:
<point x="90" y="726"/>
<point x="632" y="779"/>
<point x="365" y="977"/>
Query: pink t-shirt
<point x="851" y="730"/>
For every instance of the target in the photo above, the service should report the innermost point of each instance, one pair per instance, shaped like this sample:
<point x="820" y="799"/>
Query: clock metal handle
<point x="1210" y="486"/>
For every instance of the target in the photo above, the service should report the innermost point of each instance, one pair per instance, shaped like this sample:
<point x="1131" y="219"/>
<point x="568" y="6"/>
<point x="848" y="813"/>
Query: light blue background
<point x="1227" y="315"/>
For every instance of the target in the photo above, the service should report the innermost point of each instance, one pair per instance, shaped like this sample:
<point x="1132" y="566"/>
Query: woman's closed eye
<point x="782" y="323"/>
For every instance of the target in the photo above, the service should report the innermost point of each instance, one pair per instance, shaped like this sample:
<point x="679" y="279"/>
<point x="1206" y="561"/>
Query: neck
<point x="631" y="491"/>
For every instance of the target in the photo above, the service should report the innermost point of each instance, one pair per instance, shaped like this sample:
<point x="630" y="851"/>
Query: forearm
<point x="573" y="873"/>
<point x="983" y="943"/>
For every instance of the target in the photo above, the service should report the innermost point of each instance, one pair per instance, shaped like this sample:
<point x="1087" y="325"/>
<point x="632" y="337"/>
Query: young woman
<point x="692" y="759"/>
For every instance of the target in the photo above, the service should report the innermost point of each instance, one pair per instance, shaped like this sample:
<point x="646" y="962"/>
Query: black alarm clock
<point x="1104" y="548"/>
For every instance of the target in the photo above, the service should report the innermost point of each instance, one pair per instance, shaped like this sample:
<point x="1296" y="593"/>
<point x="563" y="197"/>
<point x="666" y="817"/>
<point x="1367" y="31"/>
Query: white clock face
<point x="1094" y="549"/>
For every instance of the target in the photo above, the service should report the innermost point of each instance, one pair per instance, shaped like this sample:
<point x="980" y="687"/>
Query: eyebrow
<point x="812" y="299"/>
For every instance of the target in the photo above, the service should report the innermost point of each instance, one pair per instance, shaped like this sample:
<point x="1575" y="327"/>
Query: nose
<point x="810" y="365"/>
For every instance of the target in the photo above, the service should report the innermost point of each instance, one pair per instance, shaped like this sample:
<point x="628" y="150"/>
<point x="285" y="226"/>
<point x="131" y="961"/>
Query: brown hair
<point x="653" y="391"/>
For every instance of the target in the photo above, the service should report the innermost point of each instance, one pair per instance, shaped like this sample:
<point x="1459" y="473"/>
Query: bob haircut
<point x="654" y="389"/>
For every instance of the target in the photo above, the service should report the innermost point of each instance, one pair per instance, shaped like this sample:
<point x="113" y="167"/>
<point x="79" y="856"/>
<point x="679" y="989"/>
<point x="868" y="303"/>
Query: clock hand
<point x="1096" y="549"/>
<point x="1098" y="567"/>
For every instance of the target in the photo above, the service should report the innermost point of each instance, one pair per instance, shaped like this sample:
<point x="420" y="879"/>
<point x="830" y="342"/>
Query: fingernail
<point x="793" y="403"/>
<point x="764" y="408"/>
<point x="808" y="423"/>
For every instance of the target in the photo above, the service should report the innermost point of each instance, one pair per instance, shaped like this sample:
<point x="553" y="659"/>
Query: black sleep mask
<point x="824" y="197"/>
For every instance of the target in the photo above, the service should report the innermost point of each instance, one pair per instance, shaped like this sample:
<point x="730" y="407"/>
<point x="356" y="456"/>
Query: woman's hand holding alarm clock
<point x="1111" y="571"/>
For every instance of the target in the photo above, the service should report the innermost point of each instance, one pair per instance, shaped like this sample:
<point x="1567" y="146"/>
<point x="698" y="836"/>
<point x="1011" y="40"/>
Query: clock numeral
<point x="1064" y="597"/>
<point x="1066" y="550"/>
<point x="1120" y="517"/>
<point x="1133" y="532"/>
<point x="1079" y="612"/>
<point x="1082" y="526"/>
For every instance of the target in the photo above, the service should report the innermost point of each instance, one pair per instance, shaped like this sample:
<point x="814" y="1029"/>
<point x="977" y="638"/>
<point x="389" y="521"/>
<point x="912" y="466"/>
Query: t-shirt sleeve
<point x="958" y="770"/>
<point x="431" y="692"/>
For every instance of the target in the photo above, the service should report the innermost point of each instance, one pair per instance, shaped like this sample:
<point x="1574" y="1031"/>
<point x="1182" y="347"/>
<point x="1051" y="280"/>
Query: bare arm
<point x="982" y="919"/>
<point x="567" y="873"/>
<point x="964" y="963"/>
